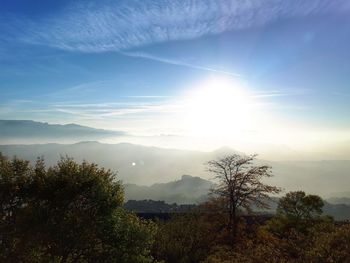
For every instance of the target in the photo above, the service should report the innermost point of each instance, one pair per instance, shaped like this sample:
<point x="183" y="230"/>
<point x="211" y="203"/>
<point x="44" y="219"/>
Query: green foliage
<point x="298" y="205"/>
<point x="221" y="254"/>
<point x="298" y="233"/>
<point x="299" y="211"/>
<point x="258" y="246"/>
<point x="332" y="245"/>
<point x="73" y="213"/>
<point x="186" y="238"/>
<point x="324" y="243"/>
<point x="151" y="206"/>
<point x="68" y="213"/>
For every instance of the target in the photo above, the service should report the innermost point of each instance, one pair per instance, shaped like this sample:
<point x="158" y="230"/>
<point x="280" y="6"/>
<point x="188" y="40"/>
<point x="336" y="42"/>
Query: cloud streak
<point x="100" y="26"/>
<point x="177" y="63"/>
<point x="131" y="107"/>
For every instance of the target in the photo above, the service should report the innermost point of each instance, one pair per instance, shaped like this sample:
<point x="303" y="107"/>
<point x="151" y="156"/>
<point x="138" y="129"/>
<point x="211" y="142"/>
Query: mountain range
<point x="187" y="190"/>
<point x="144" y="165"/>
<point x="27" y="130"/>
<point x="194" y="190"/>
<point x="34" y="132"/>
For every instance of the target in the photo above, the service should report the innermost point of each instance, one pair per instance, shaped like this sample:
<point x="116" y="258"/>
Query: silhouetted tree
<point x="300" y="206"/>
<point x="240" y="185"/>
<point x="297" y="210"/>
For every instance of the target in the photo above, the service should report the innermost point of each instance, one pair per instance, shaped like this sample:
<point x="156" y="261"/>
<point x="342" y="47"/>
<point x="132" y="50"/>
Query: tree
<point x="297" y="210"/>
<point x="67" y="213"/>
<point x="240" y="186"/>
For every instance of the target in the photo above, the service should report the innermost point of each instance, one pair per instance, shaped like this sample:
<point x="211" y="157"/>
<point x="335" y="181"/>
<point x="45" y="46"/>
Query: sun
<point x="219" y="107"/>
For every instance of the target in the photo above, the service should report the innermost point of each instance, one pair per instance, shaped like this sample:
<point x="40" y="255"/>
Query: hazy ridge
<point x="28" y="130"/>
<point x="194" y="190"/>
<point x="144" y="165"/>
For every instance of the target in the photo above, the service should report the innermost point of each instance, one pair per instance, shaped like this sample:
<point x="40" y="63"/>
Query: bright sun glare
<point x="219" y="107"/>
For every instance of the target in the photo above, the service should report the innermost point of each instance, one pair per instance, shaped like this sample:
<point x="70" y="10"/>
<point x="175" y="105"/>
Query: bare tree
<point x="240" y="185"/>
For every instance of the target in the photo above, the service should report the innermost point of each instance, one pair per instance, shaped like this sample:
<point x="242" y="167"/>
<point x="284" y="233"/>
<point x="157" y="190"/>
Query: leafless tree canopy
<point x="240" y="181"/>
<point x="240" y="186"/>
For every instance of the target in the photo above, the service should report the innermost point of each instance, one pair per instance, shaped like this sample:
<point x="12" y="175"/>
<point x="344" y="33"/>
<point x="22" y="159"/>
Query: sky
<point x="181" y="73"/>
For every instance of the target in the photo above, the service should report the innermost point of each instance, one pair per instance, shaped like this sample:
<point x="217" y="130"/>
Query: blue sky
<point x="130" y="65"/>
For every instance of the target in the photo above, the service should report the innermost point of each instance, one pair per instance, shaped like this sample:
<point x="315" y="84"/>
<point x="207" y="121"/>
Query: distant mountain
<point x="148" y="170"/>
<point x="339" y="194"/>
<point x="338" y="211"/>
<point x="339" y="200"/>
<point x="27" y="129"/>
<point x="135" y="163"/>
<point x="222" y="151"/>
<point x="144" y="165"/>
<point x="187" y="190"/>
<point x="194" y="190"/>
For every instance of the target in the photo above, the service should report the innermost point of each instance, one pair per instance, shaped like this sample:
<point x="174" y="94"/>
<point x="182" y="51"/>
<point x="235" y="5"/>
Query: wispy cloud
<point x="106" y="25"/>
<point x="129" y="107"/>
<point x="283" y="92"/>
<point x="177" y="62"/>
<point x="97" y="111"/>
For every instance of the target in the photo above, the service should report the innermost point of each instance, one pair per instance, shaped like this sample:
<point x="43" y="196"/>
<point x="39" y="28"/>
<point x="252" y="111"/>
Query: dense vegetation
<point x="74" y="213"/>
<point x="68" y="213"/>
